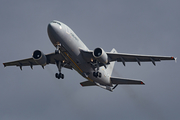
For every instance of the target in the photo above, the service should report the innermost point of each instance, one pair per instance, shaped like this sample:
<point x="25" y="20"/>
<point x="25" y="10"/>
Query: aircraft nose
<point x="52" y="32"/>
<point x="50" y="28"/>
<point x="54" y="27"/>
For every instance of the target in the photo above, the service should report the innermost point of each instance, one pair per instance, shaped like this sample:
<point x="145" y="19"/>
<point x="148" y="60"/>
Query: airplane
<point x="94" y="65"/>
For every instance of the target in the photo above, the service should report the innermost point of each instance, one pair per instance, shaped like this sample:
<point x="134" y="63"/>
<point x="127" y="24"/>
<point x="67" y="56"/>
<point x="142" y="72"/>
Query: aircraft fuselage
<point x="70" y="45"/>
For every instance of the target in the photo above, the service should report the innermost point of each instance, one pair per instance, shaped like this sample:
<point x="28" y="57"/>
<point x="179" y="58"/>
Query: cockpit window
<point x="56" y="22"/>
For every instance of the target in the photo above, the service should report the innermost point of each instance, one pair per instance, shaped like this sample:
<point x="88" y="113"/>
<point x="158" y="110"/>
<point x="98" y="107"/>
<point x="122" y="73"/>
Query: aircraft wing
<point x="123" y="57"/>
<point x="51" y="58"/>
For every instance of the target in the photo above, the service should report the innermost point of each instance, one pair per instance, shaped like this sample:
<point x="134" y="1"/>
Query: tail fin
<point x="111" y="65"/>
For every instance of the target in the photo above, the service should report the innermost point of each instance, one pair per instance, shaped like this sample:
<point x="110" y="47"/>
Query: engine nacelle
<point x="39" y="57"/>
<point x="100" y="55"/>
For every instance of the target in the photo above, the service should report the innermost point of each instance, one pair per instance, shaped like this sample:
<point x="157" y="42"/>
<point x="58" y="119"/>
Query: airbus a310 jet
<point x="94" y="65"/>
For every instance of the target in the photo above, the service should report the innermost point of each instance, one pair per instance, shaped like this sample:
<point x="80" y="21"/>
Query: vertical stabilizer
<point x="111" y="65"/>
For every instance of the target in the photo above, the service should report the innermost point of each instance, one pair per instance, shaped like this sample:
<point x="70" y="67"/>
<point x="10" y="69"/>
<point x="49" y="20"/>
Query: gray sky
<point x="140" y="27"/>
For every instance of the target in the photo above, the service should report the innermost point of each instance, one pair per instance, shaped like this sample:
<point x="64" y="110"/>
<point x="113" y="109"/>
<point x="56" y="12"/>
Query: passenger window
<point x="67" y="30"/>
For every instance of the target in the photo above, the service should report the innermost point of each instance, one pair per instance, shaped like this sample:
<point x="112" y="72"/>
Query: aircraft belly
<point x="104" y="79"/>
<point x="86" y="70"/>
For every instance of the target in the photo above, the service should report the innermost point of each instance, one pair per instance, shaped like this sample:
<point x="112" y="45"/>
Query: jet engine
<point x="39" y="57"/>
<point x="100" y="55"/>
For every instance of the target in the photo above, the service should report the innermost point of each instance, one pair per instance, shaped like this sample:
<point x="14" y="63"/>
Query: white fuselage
<point x="61" y="34"/>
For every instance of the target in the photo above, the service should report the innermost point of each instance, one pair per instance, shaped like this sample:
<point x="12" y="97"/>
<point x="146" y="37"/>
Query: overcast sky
<point x="130" y="26"/>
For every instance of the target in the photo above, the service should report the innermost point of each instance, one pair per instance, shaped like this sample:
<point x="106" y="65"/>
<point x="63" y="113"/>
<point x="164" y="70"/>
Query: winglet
<point x="175" y="59"/>
<point x="142" y="83"/>
<point x="4" y="64"/>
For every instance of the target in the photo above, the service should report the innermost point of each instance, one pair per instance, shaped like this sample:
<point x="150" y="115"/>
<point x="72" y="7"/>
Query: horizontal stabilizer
<point x="87" y="83"/>
<point x="115" y="80"/>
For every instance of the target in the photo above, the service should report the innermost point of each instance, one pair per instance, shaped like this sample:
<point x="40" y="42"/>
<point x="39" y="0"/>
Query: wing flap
<point x="115" y="80"/>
